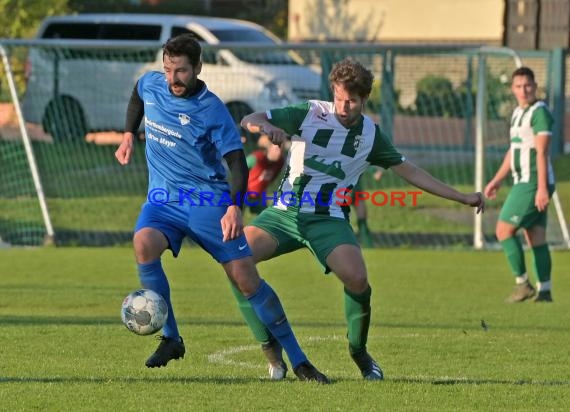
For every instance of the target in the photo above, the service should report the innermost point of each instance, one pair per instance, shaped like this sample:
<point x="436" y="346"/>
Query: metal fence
<point x="73" y="96"/>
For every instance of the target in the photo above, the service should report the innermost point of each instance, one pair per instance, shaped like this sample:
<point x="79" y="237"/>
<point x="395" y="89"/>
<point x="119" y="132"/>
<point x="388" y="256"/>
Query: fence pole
<point x="480" y="123"/>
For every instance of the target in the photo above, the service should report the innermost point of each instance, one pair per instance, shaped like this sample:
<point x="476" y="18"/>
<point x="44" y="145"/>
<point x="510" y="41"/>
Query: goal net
<point x="424" y="97"/>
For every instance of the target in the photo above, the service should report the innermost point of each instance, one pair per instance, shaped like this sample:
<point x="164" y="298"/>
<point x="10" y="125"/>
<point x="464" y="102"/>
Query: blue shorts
<point x="199" y="223"/>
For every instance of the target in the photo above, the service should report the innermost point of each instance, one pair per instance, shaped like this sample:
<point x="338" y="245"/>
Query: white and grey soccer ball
<point x="144" y="312"/>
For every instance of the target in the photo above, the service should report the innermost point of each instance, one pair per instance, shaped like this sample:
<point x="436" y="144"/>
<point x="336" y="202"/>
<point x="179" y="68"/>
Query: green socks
<point x="260" y="332"/>
<point x="542" y="262"/>
<point x="357" y="313"/>
<point x="515" y="255"/>
<point x="540" y="255"/>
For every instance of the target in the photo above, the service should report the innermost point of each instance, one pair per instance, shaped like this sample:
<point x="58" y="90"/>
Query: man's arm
<point x="232" y="222"/>
<point x="259" y="123"/>
<point x="542" y="145"/>
<point x="135" y="113"/>
<point x="423" y="180"/>
<point x="239" y="175"/>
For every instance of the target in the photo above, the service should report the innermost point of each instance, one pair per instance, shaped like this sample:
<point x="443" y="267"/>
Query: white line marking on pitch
<point x="225" y="356"/>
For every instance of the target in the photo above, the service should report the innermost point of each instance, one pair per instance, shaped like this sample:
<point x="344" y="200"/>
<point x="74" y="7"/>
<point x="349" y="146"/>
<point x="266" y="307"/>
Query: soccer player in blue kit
<point x="188" y="133"/>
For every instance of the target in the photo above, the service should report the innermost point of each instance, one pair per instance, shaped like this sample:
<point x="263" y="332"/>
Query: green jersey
<point x="526" y="123"/>
<point x="326" y="158"/>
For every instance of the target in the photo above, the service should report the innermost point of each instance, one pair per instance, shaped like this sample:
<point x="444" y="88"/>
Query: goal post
<point x="39" y="192"/>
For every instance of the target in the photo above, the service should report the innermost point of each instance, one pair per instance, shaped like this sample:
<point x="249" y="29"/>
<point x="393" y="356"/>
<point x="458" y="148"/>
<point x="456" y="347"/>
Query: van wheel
<point x="64" y="119"/>
<point x="238" y="111"/>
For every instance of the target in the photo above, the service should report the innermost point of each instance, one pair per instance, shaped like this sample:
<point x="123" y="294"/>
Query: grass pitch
<point x="439" y="328"/>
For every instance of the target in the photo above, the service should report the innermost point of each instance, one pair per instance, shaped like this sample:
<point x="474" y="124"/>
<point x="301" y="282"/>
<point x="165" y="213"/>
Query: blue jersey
<point x="186" y="139"/>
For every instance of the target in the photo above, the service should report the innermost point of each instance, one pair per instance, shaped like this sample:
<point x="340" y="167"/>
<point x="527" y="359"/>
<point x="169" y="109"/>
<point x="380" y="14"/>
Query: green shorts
<point x="293" y="230"/>
<point x="519" y="209"/>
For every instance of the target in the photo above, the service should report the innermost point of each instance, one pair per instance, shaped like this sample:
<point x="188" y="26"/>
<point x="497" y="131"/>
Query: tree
<point x="336" y="23"/>
<point x="21" y="18"/>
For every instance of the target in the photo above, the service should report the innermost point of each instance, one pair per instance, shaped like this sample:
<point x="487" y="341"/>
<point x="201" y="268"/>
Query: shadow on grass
<point x="466" y="329"/>
<point x="85" y="321"/>
<point x="234" y="380"/>
<point x="132" y="380"/>
<point x="463" y="328"/>
<point x="473" y="381"/>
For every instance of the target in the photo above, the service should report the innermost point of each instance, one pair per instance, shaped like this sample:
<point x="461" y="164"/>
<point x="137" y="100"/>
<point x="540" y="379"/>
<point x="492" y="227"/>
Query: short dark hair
<point x="353" y="75"/>
<point x="183" y="45"/>
<point x="523" y="71"/>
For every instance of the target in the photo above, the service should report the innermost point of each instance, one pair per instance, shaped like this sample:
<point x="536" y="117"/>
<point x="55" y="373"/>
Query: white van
<point x="75" y="91"/>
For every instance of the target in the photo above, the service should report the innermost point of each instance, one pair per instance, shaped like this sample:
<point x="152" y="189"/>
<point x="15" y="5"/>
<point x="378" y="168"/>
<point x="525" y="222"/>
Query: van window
<point x="242" y="35"/>
<point x="71" y="31"/>
<point x="102" y="31"/>
<point x="129" y="32"/>
<point x="176" y="30"/>
<point x="256" y="56"/>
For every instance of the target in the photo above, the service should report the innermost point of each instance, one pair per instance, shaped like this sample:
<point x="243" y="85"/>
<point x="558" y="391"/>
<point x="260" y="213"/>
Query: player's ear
<point x="198" y="68"/>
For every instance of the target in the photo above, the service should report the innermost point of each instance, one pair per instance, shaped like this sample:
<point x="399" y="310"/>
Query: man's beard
<point x="187" y="88"/>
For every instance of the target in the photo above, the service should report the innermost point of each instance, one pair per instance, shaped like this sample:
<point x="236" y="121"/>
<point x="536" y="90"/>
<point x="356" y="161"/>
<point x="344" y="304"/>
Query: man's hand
<point x="125" y="150"/>
<point x="541" y="199"/>
<point x="476" y="200"/>
<point x="491" y="189"/>
<point x="275" y="134"/>
<point x="232" y="223"/>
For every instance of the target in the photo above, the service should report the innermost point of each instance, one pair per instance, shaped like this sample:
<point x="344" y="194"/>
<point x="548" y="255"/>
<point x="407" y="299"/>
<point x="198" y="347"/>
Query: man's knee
<point x="261" y="243"/>
<point x="148" y="245"/>
<point x="504" y="230"/>
<point x="355" y="281"/>
<point x="243" y="274"/>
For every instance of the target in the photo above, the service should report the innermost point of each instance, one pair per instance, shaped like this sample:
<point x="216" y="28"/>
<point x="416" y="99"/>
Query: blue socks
<point x="152" y="276"/>
<point x="268" y="308"/>
<point x="264" y="301"/>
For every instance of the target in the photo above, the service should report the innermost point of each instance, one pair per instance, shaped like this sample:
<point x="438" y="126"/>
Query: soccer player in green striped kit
<point x="332" y="144"/>
<point x="526" y="205"/>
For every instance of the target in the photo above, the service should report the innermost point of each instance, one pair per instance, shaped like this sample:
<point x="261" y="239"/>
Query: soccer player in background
<point x="264" y="167"/>
<point x="188" y="131"/>
<point x="332" y="144"/>
<point x="528" y="161"/>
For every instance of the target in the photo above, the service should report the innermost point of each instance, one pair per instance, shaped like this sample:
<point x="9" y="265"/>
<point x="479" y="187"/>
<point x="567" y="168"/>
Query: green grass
<point x="63" y="347"/>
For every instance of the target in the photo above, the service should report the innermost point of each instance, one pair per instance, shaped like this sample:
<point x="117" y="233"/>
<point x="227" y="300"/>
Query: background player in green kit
<point x="332" y="144"/>
<point x="526" y="205"/>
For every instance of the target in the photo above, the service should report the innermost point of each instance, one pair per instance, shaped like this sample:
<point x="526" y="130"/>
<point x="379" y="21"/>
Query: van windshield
<point x="256" y="56"/>
<point x="102" y="31"/>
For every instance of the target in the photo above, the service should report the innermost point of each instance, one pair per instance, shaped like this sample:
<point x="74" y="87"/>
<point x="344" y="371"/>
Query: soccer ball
<point x="144" y="312"/>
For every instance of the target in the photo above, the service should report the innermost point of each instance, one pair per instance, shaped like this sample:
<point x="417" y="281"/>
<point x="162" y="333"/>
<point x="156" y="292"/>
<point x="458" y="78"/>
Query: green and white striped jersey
<point x="326" y="158"/>
<point x="526" y="123"/>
